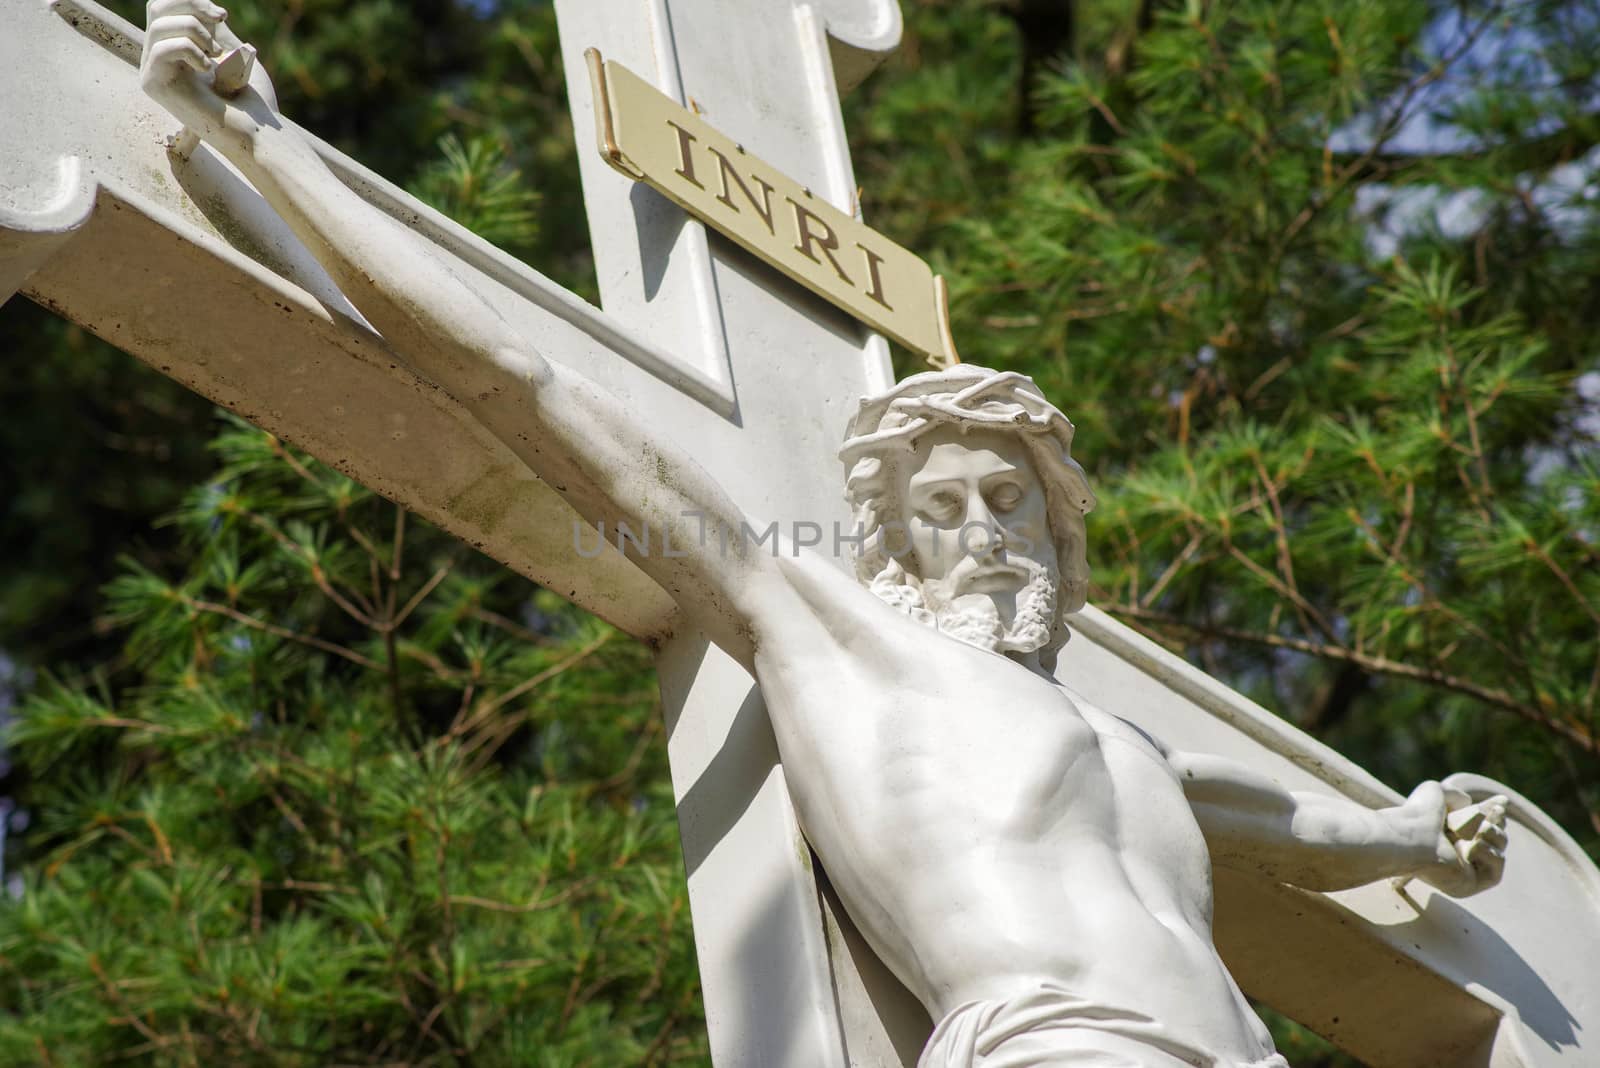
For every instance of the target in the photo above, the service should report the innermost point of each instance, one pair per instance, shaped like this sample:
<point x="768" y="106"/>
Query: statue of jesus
<point x="1037" y="871"/>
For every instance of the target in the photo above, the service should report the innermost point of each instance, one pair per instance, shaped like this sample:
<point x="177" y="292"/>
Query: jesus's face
<point x="979" y="537"/>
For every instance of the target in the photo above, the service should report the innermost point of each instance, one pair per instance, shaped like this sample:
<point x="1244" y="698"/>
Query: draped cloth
<point x="1051" y="1027"/>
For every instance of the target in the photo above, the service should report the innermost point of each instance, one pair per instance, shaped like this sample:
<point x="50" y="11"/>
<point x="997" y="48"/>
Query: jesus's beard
<point x="974" y="618"/>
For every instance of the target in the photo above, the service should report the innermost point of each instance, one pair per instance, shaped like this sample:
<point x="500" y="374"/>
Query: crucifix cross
<point x="181" y="263"/>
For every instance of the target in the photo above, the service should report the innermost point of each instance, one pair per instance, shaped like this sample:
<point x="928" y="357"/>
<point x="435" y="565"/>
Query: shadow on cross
<point x="720" y="796"/>
<point x="870" y="1002"/>
<point x="1494" y="964"/>
<point x="240" y="214"/>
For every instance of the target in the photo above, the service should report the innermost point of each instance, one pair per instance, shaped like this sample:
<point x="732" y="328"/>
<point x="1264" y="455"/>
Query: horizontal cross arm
<point x="100" y="223"/>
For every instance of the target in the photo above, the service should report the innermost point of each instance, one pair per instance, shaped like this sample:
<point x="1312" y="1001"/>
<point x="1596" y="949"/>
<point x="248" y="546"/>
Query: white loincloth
<point x="1054" y="1028"/>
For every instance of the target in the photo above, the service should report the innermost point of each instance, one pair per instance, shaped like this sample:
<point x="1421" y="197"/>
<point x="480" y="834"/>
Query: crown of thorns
<point x="971" y="398"/>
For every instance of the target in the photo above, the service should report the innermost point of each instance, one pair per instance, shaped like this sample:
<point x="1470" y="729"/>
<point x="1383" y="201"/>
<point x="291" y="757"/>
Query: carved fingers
<point x="181" y="32"/>
<point x="1469" y="838"/>
<point x="1478" y="832"/>
<point x="193" y="64"/>
<point x="176" y="69"/>
<point x="1464" y="838"/>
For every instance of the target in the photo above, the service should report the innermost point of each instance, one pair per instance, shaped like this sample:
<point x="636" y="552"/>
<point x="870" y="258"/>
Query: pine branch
<point x="495" y="735"/>
<point x="1530" y="155"/>
<point x="1391" y="125"/>
<point x="510" y="626"/>
<point x="318" y="575"/>
<point x="539" y="902"/>
<point x="420" y="596"/>
<point x="281" y="632"/>
<point x="1378" y="665"/>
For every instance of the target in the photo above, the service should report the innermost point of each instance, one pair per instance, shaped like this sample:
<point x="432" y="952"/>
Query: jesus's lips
<point x="995" y="578"/>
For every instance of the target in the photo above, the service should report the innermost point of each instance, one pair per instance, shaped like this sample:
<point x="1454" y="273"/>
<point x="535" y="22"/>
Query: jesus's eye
<point x="1005" y="497"/>
<point x="942" y="506"/>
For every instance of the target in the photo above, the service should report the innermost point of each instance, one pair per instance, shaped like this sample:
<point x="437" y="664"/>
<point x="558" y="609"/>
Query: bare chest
<point x="997" y="760"/>
<point x="978" y="752"/>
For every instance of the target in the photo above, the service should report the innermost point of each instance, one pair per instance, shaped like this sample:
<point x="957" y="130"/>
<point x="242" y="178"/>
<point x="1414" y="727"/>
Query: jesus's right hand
<point x="184" y="41"/>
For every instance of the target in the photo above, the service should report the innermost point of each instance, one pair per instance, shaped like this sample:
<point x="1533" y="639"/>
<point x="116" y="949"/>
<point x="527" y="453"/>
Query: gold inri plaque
<point x="650" y="137"/>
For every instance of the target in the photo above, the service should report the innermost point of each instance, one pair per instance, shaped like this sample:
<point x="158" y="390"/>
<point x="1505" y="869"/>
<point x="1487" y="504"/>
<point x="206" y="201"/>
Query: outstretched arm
<point x="580" y="439"/>
<point x="1251" y="823"/>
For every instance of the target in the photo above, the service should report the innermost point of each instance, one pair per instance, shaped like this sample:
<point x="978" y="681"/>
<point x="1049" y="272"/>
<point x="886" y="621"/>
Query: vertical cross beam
<point x="789" y="369"/>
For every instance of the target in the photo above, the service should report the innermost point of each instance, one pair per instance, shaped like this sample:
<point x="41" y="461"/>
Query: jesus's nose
<point x="979" y="536"/>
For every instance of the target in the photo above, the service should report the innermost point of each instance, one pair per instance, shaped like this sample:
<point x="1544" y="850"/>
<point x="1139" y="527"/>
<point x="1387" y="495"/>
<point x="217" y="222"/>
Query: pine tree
<point x="338" y="808"/>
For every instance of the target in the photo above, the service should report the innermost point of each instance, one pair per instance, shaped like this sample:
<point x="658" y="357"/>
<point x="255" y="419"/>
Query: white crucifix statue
<point x="919" y="826"/>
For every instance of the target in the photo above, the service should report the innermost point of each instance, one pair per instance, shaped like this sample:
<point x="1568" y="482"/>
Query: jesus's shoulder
<point x="820" y="601"/>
